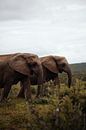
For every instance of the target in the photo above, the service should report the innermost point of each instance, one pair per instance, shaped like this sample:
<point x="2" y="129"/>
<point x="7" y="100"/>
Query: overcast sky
<point x="44" y="27"/>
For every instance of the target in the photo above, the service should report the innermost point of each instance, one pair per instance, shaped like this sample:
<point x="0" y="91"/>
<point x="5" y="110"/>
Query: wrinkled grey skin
<point x="52" y="65"/>
<point x="19" y="67"/>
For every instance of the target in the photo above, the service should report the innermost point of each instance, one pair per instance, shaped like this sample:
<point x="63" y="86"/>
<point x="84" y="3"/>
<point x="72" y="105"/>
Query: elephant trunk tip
<point x="69" y="78"/>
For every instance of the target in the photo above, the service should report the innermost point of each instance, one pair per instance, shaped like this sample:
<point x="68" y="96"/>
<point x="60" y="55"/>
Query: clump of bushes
<point x="59" y="109"/>
<point x="72" y="108"/>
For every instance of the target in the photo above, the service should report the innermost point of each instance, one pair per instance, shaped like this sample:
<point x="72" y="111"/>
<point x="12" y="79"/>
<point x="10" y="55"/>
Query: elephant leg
<point x="27" y="90"/>
<point x="5" y="92"/>
<point x="42" y="90"/>
<point x="39" y="91"/>
<point x="21" y="92"/>
<point x="57" y="81"/>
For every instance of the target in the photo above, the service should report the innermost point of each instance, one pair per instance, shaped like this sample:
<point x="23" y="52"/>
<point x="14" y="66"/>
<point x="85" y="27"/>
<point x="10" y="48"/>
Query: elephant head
<point x="57" y="64"/>
<point x="27" y="64"/>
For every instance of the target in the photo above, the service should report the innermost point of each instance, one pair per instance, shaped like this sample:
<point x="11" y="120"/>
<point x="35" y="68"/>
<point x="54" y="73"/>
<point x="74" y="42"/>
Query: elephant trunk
<point x="69" y="77"/>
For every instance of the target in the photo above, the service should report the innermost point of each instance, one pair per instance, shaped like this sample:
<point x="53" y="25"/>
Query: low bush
<point x="60" y="109"/>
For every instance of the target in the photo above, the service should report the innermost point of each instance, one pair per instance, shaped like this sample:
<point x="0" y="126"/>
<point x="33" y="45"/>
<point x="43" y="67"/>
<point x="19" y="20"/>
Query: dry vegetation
<point x="63" y="109"/>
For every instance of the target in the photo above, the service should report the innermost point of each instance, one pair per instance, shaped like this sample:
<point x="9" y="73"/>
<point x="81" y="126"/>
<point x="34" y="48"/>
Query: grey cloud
<point x="30" y="9"/>
<point x="44" y="27"/>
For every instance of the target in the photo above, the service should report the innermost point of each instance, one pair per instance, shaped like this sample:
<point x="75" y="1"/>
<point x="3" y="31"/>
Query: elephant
<point x="52" y="65"/>
<point x="19" y="67"/>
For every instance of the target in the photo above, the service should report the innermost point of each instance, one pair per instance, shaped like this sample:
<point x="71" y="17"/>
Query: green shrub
<point x="60" y="109"/>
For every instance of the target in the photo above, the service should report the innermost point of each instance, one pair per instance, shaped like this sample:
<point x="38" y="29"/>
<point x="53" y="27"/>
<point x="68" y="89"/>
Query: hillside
<point x="79" y="67"/>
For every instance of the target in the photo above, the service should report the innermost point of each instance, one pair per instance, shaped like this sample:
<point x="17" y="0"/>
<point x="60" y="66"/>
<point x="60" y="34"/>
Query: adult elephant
<point x="52" y="65"/>
<point x="19" y="67"/>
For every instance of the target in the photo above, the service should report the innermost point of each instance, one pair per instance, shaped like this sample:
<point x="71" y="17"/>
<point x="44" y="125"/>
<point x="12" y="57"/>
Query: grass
<point x="40" y="114"/>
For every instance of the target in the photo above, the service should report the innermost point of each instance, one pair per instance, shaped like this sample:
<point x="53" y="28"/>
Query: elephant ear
<point x="49" y="63"/>
<point x="18" y="63"/>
